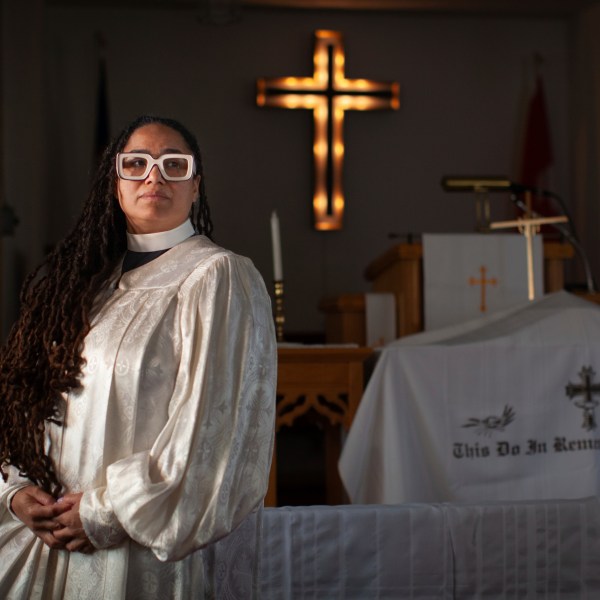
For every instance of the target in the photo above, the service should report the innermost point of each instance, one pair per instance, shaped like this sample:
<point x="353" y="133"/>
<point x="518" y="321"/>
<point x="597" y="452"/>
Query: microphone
<point x="519" y="188"/>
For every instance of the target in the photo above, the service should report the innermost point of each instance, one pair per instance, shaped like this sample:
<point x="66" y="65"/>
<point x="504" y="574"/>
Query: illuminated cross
<point x="328" y="94"/>
<point x="482" y="282"/>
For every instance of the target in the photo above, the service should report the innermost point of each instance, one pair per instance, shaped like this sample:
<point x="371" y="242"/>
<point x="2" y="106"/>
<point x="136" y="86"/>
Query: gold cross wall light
<point x="329" y="94"/>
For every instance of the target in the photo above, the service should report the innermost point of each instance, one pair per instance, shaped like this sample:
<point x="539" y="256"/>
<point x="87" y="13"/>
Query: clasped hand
<point x="56" y="522"/>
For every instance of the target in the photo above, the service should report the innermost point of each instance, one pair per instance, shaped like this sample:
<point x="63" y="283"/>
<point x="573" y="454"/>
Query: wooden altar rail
<point x="329" y="381"/>
<point x="400" y="271"/>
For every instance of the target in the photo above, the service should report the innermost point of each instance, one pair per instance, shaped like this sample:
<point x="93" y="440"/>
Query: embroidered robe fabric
<point x="169" y="437"/>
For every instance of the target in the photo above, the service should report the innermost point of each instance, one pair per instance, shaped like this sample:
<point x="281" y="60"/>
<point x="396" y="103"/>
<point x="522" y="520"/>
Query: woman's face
<point x="154" y="204"/>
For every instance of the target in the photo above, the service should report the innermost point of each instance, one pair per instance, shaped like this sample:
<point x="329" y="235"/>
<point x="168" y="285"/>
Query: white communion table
<point x="501" y="408"/>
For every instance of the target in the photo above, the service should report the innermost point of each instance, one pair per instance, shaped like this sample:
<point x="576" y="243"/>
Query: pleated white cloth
<point x="170" y="436"/>
<point x="355" y="552"/>
<point x="490" y="551"/>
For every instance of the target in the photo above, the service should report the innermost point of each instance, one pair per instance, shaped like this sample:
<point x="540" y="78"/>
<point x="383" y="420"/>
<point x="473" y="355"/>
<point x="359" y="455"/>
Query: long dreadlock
<point x="42" y="355"/>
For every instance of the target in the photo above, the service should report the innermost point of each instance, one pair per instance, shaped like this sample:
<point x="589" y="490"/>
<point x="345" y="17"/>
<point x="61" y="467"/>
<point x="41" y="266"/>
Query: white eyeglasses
<point x="137" y="165"/>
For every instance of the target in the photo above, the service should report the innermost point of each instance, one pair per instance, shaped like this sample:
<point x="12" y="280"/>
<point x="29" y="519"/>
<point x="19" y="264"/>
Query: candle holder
<point x="279" y="316"/>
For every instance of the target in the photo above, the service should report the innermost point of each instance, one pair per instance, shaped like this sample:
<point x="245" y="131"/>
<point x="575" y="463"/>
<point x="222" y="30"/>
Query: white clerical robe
<point x="169" y="437"/>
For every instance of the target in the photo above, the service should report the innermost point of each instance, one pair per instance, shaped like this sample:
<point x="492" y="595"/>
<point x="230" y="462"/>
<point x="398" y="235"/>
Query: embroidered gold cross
<point x="482" y="281"/>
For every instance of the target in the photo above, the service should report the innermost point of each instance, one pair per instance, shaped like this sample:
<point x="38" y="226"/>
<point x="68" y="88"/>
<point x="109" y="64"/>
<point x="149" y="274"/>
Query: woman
<point x="136" y="389"/>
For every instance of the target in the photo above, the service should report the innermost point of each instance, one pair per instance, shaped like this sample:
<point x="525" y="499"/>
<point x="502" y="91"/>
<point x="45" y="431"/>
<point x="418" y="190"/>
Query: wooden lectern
<point x="329" y="381"/>
<point x="400" y="271"/>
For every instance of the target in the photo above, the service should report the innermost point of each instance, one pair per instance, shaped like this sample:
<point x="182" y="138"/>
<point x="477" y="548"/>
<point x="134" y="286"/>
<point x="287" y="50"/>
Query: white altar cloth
<point x="480" y="411"/>
<point x="490" y="551"/>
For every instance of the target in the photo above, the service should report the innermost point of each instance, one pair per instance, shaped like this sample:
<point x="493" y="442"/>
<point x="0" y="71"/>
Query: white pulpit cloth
<point x="480" y="411"/>
<point x="473" y="275"/>
<point x="380" y="313"/>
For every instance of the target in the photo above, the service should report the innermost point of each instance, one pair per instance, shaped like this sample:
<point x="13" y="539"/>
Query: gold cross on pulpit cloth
<point x="328" y="93"/>
<point x="483" y="282"/>
<point x="528" y="226"/>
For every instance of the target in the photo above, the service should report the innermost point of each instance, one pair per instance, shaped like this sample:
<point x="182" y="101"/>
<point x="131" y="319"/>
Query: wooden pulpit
<point x="400" y="271"/>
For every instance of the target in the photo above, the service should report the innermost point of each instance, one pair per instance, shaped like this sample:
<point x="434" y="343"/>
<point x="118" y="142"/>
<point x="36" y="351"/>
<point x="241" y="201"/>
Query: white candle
<point x="276" y="241"/>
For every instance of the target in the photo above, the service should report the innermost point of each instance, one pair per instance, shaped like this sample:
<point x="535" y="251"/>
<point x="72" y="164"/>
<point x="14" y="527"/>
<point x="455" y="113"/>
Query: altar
<point x="499" y="408"/>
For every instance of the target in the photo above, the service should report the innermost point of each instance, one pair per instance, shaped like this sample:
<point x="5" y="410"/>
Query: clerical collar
<point x="163" y="240"/>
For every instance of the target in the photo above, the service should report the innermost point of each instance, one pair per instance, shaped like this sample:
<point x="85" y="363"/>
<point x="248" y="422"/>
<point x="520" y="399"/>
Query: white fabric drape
<point x="471" y="275"/>
<point x="380" y="316"/>
<point x="480" y="411"/>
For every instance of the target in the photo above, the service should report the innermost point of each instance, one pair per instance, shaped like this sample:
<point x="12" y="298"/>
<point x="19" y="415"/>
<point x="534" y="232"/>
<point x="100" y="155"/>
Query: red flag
<point x="537" y="149"/>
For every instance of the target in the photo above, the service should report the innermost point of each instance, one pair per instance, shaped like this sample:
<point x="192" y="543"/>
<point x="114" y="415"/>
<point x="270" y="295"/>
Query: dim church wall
<point x="462" y="84"/>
